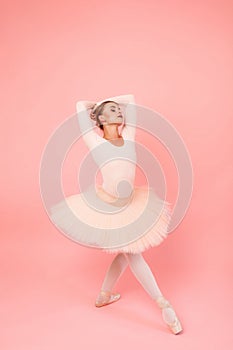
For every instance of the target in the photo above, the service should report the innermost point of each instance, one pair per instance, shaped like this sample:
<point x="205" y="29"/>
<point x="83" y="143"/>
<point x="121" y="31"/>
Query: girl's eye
<point x="113" y="110"/>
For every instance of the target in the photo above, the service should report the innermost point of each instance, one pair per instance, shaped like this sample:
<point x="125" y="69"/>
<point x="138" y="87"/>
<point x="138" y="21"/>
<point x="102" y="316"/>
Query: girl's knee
<point x="133" y="257"/>
<point x="121" y="258"/>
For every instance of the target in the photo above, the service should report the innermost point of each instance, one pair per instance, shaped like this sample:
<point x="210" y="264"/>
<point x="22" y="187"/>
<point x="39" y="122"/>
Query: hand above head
<point x="85" y="105"/>
<point x="90" y="104"/>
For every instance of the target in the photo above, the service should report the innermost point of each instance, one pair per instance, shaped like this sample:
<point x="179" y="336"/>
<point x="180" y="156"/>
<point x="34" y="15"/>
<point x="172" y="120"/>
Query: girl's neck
<point x="111" y="132"/>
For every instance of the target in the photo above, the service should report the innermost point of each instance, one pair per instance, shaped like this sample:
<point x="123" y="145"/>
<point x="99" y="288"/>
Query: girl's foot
<point x="170" y="317"/>
<point x="106" y="297"/>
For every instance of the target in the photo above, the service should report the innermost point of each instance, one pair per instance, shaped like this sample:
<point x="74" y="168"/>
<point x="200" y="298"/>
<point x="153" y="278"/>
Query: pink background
<point x="176" y="58"/>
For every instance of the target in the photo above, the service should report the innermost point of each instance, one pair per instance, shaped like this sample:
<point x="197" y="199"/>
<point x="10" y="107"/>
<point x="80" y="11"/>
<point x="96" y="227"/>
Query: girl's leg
<point x="144" y="275"/>
<point x="114" y="272"/>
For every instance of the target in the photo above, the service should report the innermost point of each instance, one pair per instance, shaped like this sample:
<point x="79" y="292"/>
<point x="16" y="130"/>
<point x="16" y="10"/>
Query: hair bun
<point x="92" y="115"/>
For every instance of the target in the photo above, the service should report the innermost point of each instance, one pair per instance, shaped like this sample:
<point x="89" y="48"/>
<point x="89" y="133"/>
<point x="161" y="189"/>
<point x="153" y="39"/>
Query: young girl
<point x="113" y="231"/>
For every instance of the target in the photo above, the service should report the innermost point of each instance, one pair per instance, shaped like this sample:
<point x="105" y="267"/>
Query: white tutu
<point x="138" y="225"/>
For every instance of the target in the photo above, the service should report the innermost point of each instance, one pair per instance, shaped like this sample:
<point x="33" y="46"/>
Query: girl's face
<point x="111" y="114"/>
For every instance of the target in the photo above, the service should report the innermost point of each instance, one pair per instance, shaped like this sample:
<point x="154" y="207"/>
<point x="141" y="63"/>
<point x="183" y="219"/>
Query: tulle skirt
<point x="132" y="227"/>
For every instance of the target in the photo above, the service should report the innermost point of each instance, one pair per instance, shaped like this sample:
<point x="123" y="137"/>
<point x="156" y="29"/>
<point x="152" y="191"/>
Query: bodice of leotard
<point x="117" y="165"/>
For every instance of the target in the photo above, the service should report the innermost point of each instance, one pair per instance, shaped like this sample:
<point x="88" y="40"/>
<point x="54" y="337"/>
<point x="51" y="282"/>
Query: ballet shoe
<point x="175" y="327"/>
<point x="106" y="297"/>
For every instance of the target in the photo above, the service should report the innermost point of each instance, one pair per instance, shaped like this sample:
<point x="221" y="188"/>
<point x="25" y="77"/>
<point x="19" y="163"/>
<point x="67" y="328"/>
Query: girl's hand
<point x="89" y="104"/>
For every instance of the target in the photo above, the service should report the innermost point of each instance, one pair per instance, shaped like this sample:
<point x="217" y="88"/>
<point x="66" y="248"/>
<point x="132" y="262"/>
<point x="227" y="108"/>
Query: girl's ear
<point x="101" y="118"/>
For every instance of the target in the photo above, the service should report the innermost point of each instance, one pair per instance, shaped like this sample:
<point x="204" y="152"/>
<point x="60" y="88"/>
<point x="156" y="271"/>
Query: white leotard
<point x="117" y="163"/>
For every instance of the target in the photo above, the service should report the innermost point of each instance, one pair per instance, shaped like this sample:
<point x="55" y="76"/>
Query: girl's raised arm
<point x="83" y="109"/>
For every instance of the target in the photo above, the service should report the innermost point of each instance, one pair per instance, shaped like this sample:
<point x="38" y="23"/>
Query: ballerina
<point x="116" y="192"/>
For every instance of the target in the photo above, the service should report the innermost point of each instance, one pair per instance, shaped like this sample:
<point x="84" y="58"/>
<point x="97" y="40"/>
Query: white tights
<point x="143" y="274"/>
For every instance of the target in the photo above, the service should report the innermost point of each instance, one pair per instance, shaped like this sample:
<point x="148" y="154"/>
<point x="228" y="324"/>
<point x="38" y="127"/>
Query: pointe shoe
<point x="106" y="297"/>
<point x="175" y="327"/>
